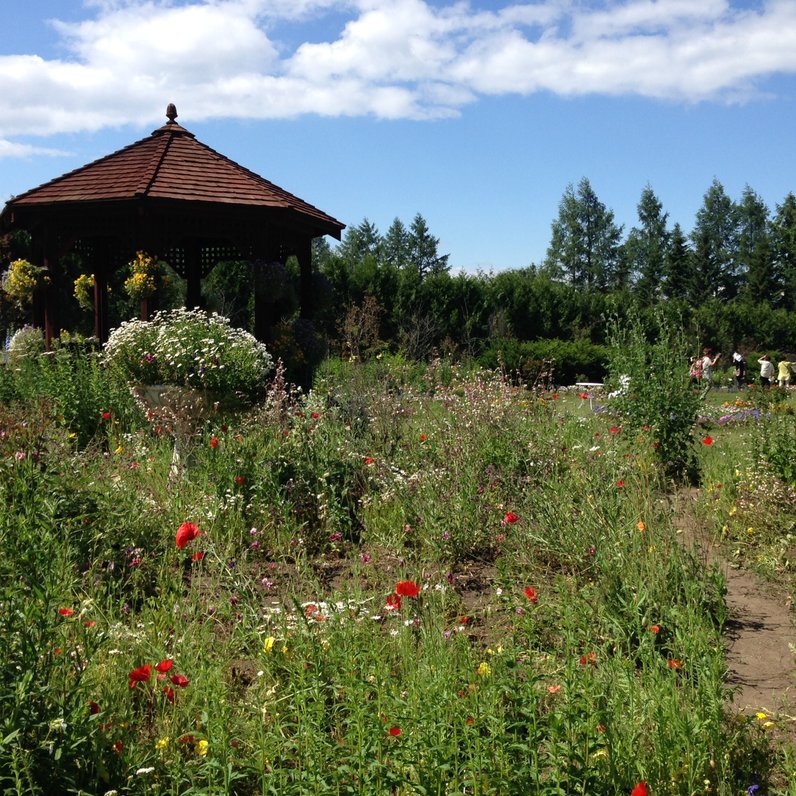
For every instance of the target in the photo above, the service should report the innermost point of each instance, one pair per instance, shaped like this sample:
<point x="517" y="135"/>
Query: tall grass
<point x="433" y="585"/>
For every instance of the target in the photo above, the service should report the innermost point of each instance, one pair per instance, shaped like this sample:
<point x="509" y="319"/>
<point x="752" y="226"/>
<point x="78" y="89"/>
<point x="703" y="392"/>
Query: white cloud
<point x="10" y="149"/>
<point x="388" y="58"/>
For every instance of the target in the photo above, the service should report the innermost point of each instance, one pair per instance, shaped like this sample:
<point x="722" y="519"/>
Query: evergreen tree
<point x="677" y="266"/>
<point x="359" y="242"/>
<point x="395" y="246"/>
<point x="647" y="246"/>
<point x="783" y="244"/>
<point x="754" y="247"/>
<point x="715" y="239"/>
<point x="422" y="249"/>
<point x="584" y="246"/>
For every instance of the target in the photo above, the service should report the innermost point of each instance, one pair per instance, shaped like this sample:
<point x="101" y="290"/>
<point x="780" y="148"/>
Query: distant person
<point x="695" y="371"/>
<point x="766" y="370"/>
<point x="708" y="363"/>
<point x="783" y="376"/>
<point x="739" y="368"/>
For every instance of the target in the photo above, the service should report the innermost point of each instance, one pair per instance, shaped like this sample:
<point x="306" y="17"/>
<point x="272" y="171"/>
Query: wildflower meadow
<point x="408" y="579"/>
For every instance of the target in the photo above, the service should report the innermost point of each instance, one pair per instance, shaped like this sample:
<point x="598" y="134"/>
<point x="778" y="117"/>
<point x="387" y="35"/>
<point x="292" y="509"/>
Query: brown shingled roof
<point x="172" y="164"/>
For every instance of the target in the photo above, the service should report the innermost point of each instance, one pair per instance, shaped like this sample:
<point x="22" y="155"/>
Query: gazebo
<point x="172" y="195"/>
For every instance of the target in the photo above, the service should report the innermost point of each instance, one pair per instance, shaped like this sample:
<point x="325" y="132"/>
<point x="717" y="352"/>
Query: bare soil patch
<point x="759" y="630"/>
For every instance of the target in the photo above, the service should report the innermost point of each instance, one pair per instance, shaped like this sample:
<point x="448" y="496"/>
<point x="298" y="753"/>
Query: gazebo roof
<point x="172" y="165"/>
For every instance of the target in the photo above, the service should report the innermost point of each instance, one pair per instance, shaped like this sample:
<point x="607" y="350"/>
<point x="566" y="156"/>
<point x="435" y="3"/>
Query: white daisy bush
<point x="190" y="348"/>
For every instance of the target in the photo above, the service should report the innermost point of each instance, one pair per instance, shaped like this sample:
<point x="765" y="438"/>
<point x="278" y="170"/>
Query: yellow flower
<point x="202" y="747"/>
<point x="162" y="744"/>
<point x="484" y="669"/>
<point x="761" y="716"/>
<point x="268" y="644"/>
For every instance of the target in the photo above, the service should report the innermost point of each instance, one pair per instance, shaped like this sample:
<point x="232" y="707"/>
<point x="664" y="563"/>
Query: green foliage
<point x="649" y="373"/>
<point x="556" y="361"/>
<point x="779" y="446"/>
<point x="549" y="627"/>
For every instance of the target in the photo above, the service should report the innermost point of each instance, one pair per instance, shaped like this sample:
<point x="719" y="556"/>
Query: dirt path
<point x="759" y="630"/>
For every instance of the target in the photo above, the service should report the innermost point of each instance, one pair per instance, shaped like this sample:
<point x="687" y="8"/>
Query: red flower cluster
<point x="531" y="594"/>
<point x="66" y="611"/>
<point x="640" y="789"/>
<point x="187" y="532"/>
<point x="143" y="674"/>
<point x="213" y="442"/>
<point x="588" y="658"/>
<point x="510" y="518"/>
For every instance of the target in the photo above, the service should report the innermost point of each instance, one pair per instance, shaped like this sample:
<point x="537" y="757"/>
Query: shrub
<point x="189" y="348"/>
<point x="654" y="393"/>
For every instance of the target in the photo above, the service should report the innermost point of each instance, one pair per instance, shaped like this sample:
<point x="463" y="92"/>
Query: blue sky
<point x="476" y="115"/>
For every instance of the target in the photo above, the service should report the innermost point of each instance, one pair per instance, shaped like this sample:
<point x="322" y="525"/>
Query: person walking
<point x="739" y="367"/>
<point x="766" y="370"/>
<point x="784" y="372"/>
<point x="708" y="363"/>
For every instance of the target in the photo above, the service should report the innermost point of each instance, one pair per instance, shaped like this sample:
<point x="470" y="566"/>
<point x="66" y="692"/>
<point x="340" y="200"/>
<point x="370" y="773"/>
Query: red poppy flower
<point x="213" y="442"/>
<point x="423" y="437"/>
<point x="654" y="629"/>
<point x="315" y="415"/>
<point x="180" y="680"/>
<point x="164" y="665"/>
<point x="554" y="396"/>
<point x="168" y="692"/>
<point x="369" y="460"/>
<point x="531" y="594"/>
<point x="198" y="555"/>
<point x="640" y="789"/>
<point x="185" y="533"/>
<point x="707" y="441"/>
<point x="90" y="623"/>
<point x="615" y="430"/>
<point x="675" y="663"/>
<point x="186" y="739"/>
<point x="240" y="480"/>
<point x="93" y="707"/>
<point x="106" y="415"/>
<point x="589" y="657"/>
<point x="393" y="603"/>
<point x="117" y="747"/>
<point x="584" y="396"/>
<point x="394" y="731"/>
<point x="66" y="611"/>
<point x="510" y="518"/>
<point x="620" y="484"/>
<point x="407" y="588"/>
<point x="140" y="675"/>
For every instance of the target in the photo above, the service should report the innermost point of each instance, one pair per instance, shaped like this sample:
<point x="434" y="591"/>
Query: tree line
<point x="731" y="280"/>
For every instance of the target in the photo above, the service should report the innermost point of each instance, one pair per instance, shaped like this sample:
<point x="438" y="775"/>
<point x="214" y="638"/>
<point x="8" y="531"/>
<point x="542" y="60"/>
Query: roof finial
<point x="171" y="113"/>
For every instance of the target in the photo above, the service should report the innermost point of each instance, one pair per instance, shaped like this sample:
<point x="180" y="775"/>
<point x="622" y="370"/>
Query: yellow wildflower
<point x="268" y="644"/>
<point x="202" y="747"/>
<point x="484" y="669"/>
